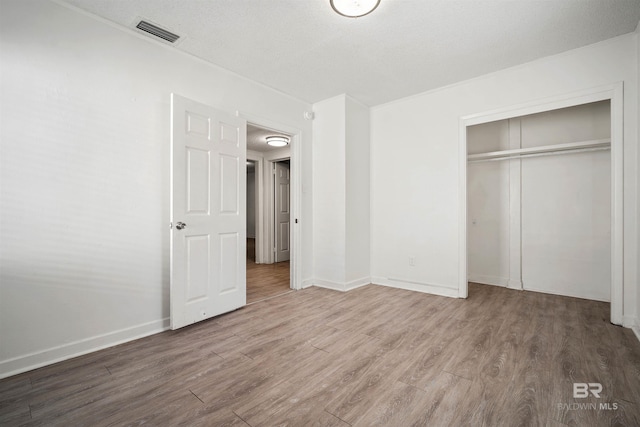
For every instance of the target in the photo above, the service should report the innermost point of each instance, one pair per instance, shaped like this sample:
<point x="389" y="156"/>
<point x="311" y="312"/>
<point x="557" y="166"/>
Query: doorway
<point x="268" y="214"/>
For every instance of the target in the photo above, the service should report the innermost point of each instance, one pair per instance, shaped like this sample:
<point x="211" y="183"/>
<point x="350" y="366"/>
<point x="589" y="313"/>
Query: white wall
<point x="415" y="143"/>
<point x="85" y="111"/>
<point x="329" y="191"/>
<point x="341" y="193"/>
<point x="637" y="36"/>
<point x="358" y="193"/>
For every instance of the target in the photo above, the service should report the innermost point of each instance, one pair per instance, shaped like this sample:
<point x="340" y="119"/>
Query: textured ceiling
<point x="303" y="48"/>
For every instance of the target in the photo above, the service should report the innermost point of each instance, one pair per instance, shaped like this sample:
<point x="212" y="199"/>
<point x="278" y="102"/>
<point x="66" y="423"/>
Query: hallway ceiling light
<point x="277" y="141"/>
<point x="354" y="8"/>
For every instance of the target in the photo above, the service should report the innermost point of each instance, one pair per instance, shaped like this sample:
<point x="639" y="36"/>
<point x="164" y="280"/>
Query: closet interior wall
<point x="542" y="223"/>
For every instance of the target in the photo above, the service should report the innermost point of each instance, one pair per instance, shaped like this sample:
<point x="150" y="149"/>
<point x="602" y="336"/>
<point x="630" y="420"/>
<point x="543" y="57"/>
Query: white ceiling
<point x="303" y="48"/>
<point x="257" y="138"/>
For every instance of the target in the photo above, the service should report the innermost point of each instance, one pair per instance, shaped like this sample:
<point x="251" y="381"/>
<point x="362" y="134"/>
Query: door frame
<point x="613" y="93"/>
<point x="266" y="226"/>
<point x="259" y="204"/>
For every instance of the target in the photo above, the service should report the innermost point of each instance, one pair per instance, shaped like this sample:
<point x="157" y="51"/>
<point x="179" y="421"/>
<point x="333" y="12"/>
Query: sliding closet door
<point x="488" y="239"/>
<point x="566" y="206"/>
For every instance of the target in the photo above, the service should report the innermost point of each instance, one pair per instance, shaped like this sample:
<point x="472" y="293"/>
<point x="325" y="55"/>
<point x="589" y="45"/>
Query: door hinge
<point x="170" y="225"/>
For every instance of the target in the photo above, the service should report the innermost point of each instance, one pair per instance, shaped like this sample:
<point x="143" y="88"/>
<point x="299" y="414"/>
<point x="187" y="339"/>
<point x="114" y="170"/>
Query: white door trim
<point x="296" y="191"/>
<point x="259" y="205"/>
<point x="612" y="92"/>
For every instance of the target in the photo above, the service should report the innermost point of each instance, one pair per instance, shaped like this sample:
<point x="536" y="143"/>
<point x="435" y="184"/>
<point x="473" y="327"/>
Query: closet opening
<point x="542" y="199"/>
<point x="538" y="202"/>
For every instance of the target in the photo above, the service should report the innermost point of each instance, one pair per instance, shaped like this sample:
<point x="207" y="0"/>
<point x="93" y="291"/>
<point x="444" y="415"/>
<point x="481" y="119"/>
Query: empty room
<point x="319" y="212"/>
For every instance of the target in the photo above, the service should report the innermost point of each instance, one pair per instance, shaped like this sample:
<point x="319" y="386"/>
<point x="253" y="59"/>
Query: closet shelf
<point x="596" y="144"/>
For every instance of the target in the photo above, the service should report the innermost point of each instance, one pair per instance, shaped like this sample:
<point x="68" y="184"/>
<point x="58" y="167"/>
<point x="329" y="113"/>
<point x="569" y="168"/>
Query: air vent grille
<point x="157" y="31"/>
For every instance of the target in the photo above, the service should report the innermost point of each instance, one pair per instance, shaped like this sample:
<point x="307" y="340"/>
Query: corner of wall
<point x="636" y="329"/>
<point x="342" y="287"/>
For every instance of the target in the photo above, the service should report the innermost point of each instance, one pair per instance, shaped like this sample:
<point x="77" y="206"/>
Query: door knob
<point x="181" y="225"/>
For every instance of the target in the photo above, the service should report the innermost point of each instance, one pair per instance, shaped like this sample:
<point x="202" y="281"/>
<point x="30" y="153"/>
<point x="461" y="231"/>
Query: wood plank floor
<point x="372" y="356"/>
<point x="267" y="280"/>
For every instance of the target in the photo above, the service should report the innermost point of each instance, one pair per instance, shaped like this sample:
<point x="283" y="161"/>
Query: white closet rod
<point x="572" y="147"/>
<point x="546" y="153"/>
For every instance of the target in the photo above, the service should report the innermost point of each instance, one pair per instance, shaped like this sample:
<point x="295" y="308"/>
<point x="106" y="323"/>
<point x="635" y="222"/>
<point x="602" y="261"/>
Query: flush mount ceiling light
<point x="354" y="8"/>
<point x="277" y="141"/>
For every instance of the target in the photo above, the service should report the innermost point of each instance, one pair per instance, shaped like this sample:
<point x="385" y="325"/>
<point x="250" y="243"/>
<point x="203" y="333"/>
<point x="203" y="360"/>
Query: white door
<point x="283" y="211"/>
<point x="208" y="234"/>
<point x="567" y="251"/>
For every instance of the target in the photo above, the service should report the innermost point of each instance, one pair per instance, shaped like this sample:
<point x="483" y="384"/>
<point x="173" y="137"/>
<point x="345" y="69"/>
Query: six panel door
<point x="208" y="212"/>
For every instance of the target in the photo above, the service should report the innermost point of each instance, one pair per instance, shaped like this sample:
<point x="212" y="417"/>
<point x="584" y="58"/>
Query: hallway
<point x="265" y="280"/>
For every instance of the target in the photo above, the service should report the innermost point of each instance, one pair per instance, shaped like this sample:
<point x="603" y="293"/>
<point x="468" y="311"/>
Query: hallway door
<point x="283" y="211"/>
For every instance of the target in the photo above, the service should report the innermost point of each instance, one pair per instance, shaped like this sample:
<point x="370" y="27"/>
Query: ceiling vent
<point x="154" y="30"/>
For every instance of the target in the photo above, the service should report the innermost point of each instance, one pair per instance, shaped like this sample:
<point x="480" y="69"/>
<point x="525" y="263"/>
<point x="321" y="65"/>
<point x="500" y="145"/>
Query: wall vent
<point x="157" y="31"/>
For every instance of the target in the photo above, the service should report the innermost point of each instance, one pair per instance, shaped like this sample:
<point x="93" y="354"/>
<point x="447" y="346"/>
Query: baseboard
<point x="564" y="294"/>
<point x="504" y="282"/>
<point x="327" y="284"/>
<point x="307" y="283"/>
<point x="632" y="323"/>
<point x="410" y="285"/>
<point x="342" y="287"/>
<point x="515" y="284"/>
<point x="39" y="359"/>
<point x="358" y="283"/>
<point x="488" y="280"/>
